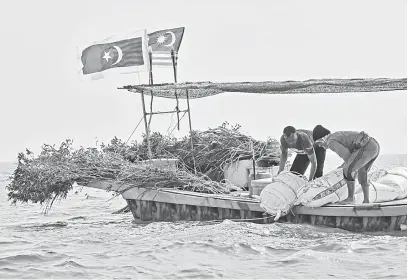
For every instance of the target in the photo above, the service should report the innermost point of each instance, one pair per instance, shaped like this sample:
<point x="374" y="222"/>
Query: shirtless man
<point x="359" y="151"/>
<point x="302" y="142"/>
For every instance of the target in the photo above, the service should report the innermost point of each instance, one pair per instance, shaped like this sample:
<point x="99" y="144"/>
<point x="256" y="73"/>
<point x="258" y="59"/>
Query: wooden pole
<point x="149" y="151"/>
<point x="174" y="65"/>
<point x="151" y="109"/>
<point x="251" y="191"/>
<point x="147" y="126"/>
<point x="173" y="60"/>
<point x="165" y="112"/>
<point x="151" y="67"/>
<point x="191" y="131"/>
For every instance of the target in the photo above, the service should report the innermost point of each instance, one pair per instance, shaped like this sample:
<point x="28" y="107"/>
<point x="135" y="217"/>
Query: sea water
<point x="81" y="238"/>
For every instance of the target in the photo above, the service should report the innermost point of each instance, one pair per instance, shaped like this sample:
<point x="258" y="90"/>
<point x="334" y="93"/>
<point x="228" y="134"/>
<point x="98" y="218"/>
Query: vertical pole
<point x="149" y="151"/>
<point x="151" y="67"/>
<point x="253" y="168"/>
<point x="191" y="131"/>
<point x="151" y="108"/>
<point x="147" y="127"/>
<point x="173" y="60"/>
<point x="251" y="191"/>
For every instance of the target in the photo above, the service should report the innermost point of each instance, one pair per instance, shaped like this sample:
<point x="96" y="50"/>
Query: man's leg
<point x="362" y="179"/>
<point x="362" y="174"/>
<point x="320" y="157"/>
<point x="361" y="158"/>
<point x="350" y="193"/>
<point x="319" y="132"/>
<point x="300" y="164"/>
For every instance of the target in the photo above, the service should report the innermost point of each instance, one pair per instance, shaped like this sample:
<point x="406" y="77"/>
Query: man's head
<point x="289" y="134"/>
<point x="319" y="132"/>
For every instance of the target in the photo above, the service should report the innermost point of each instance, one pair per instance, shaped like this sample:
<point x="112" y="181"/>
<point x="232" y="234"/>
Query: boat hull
<point x="176" y="205"/>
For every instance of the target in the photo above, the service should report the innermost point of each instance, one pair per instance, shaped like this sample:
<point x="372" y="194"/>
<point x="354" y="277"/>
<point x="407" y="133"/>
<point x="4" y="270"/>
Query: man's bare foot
<point x="346" y="201"/>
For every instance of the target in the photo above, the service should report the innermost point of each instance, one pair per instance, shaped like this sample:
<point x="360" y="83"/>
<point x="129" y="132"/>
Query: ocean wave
<point x="306" y="255"/>
<point x="330" y="247"/>
<point x="22" y="258"/>
<point x="47" y="273"/>
<point x="7" y="273"/>
<point x="200" y="273"/>
<point x="279" y="250"/>
<point x="70" y="264"/>
<point x="44" y="257"/>
<point x="77" y="218"/>
<point x="11" y="241"/>
<point x="41" y="226"/>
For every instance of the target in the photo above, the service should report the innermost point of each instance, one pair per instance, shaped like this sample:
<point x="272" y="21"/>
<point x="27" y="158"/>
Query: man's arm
<point x="283" y="159"/>
<point x="312" y="157"/>
<point x="307" y="145"/>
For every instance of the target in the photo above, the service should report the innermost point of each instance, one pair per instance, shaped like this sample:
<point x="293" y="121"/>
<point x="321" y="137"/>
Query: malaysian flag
<point x="162" y="42"/>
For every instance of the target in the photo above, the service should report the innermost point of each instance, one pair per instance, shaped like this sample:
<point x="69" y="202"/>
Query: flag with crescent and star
<point x="119" y="54"/>
<point x="162" y="42"/>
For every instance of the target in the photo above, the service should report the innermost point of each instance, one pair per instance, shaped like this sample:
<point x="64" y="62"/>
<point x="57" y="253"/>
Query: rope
<point x="171" y="124"/>
<point x="133" y="131"/>
<point x="176" y="125"/>
<point x="130" y="135"/>
<point x="375" y="189"/>
<point x="238" y="220"/>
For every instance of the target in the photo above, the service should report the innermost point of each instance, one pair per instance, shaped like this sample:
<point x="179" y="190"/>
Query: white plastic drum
<point x="329" y="188"/>
<point x="278" y="197"/>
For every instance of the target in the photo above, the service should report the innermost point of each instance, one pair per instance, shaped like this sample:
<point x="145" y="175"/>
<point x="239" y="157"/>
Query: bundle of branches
<point x="50" y="176"/>
<point x="160" y="145"/>
<point x="215" y="148"/>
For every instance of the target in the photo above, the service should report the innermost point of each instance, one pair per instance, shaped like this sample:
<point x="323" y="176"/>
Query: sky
<point x="42" y="99"/>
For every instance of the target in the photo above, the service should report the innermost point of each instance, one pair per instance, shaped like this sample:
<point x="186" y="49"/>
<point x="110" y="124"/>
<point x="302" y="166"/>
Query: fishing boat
<point x="161" y="204"/>
<point x="165" y="204"/>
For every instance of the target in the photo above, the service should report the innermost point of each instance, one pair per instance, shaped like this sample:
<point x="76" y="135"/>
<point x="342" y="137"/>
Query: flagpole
<point x="149" y="151"/>
<point x="191" y="132"/>
<point x="150" y="83"/>
<point x="151" y="67"/>
<point x="173" y="60"/>
<point x="188" y="109"/>
<point x="147" y="127"/>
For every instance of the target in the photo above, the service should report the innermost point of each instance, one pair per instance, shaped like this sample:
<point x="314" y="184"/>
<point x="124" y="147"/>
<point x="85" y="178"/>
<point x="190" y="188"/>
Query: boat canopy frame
<point x="194" y="90"/>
